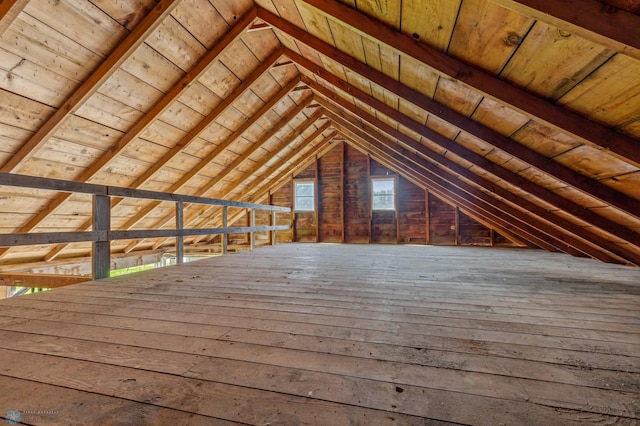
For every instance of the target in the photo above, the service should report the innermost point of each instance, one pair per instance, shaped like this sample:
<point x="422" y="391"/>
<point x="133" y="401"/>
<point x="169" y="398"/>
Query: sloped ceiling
<point x="525" y="115"/>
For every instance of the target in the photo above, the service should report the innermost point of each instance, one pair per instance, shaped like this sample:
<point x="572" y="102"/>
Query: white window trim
<point x="395" y="192"/>
<point x="315" y="195"/>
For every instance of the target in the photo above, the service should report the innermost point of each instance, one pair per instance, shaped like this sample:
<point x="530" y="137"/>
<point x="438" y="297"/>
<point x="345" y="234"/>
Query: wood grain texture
<point x="342" y="339"/>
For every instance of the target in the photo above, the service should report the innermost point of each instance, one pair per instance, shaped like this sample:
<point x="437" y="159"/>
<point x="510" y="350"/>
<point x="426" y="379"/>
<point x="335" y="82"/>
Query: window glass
<point x="304" y="196"/>
<point x="383" y="194"/>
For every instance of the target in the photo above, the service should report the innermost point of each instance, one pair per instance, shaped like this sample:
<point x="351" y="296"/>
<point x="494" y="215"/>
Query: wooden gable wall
<point x="343" y="209"/>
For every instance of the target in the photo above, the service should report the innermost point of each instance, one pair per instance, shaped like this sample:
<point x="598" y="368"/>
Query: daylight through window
<point x="383" y="194"/>
<point x="304" y="196"/>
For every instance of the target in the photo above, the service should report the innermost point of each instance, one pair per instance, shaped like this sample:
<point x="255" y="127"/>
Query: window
<point x="383" y="194"/>
<point x="304" y="196"/>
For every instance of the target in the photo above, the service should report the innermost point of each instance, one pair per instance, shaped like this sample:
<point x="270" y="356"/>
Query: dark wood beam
<point x="563" y="173"/>
<point x="9" y="11"/>
<point x="603" y="24"/>
<point x="483" y="163"/>
<point x="301" y="161"/>
<point x="119" y="55"/>
<point x="563" y="226"/>
<point x="529" y="104"/>
<point x="207" y="187"/>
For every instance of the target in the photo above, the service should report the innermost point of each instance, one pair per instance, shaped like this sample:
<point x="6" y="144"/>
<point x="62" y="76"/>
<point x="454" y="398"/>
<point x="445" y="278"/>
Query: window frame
<point x="313" y="196"/>
<point x="395" y="193"/>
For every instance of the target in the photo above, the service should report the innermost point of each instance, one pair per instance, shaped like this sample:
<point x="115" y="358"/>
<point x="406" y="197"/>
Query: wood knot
<point x="513" y="39"/>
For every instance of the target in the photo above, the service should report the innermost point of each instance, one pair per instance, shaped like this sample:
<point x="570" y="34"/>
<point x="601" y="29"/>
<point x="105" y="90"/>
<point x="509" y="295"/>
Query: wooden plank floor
<point x="333" y="335"/>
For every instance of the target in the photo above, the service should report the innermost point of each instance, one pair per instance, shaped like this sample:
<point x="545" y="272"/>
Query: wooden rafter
<point x="206" y="188"/>
<point x="302" y="160"/>
<point x="287" y="141"/>
<point x="534" y="229"/>
<point x="119" y="55"/>
<point x="9" y="11"/>
<point x="527" y="155"/>
<point x="491" y="214"/>
<point x="209" y="158"/>
<point x="499" y="171"/>
<point x="193" y="134"/>
<point x="359" y="142"/>
<point x="268" y="182"/>
<point x="562" y="226"/>
<point x="145" y="121"/>
<point x="501" y="211"/>
<point x="529" y="104"/>
<point x="608" y="26"/>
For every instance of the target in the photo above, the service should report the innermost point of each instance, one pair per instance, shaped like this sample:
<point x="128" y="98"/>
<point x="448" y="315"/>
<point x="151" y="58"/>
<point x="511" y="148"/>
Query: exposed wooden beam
<point x="207" y="187"/>
<point x="510" y="177"/>
<point x="357" y="142"/>
<point x="40" y="280"/>
<point x="9" y="11"/>
<point x="117" y="57"/>
<point x="258" y="26"/>
<point x="477" y="79"/>
<point x="160" y="106"/>
<point x="562" y="226"/>
<point x="263" y="139"/>
<point x="303" y="161"/>
<point x="563" y="173"/>
<point x="211" y="156"/>
<point x="289" y="139"/>
<point x="491" y="213"/>
<point x="220" y="109"/>
<point x="606" y="25"/>
<point x="296" y="160"/>
<point x="534" y="230"/>
<point x="193" y="134"/>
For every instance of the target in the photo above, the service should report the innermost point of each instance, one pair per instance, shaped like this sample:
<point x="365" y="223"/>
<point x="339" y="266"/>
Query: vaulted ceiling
<point x="525" y="115"/>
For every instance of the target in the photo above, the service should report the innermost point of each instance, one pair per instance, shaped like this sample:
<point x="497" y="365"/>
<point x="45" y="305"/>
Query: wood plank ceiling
<point x="523" y="114"/>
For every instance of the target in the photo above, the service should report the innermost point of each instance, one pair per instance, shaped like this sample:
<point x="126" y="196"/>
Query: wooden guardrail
<point x="102" y="234"/>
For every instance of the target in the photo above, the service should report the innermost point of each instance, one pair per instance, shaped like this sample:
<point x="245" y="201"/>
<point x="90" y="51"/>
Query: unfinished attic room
<point x="319" y="212"/>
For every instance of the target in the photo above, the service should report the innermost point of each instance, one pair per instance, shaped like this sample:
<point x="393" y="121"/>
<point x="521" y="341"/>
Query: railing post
<point x="253" y="225"/>
<point x="101" y="257"/>
<point x="179" y="226"/>
<point x="274" y="222"/>
<point x="225" y="218"/>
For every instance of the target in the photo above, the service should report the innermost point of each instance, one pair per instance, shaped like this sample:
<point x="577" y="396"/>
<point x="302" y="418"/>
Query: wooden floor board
<point x="336" y="334"/>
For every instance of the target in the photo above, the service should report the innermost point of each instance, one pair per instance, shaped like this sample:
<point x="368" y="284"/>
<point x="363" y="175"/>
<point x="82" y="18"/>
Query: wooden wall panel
<point x="441" y="221"/>
<point x="411" y="213"/>
<point x="330" y="196"/>
<point x="473" y="233"/>
<point x="356" y="196"/>
<point x="282" y="197"/>
<point x="343" y="183"/>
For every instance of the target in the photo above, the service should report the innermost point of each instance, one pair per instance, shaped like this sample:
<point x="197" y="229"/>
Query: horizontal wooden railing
<point x="102" y="234"/>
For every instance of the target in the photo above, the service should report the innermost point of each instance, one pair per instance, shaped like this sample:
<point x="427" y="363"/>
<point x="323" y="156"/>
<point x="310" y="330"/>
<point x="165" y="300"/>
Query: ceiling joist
<point x="563" y="173"/>
<point x="479" y="161"/>
<point x="537" y="108"/>
<point x="9" y="11"/>
<point x="435" y="167"/>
